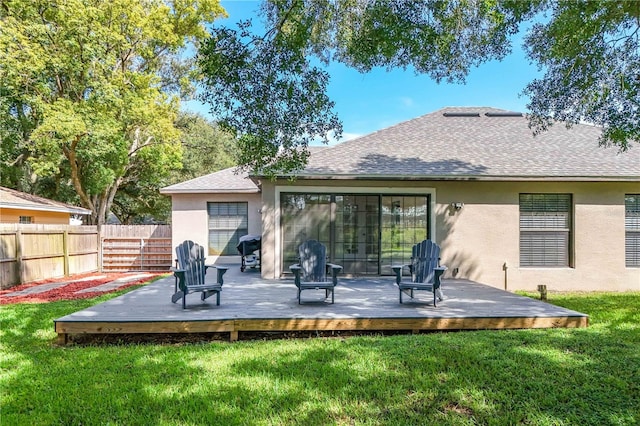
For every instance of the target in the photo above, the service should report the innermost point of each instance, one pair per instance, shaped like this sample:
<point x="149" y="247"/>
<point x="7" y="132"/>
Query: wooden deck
<point x="251" y="304"/>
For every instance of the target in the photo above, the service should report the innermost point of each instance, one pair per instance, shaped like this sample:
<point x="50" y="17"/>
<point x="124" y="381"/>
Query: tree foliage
<point x="442" y="39"/>
<point x="590" y="51"/>
<point x="264" y="87"/>
<point x="267" y="93"/>
<point x="206" y="147"/>
<point x="89" y="91"/>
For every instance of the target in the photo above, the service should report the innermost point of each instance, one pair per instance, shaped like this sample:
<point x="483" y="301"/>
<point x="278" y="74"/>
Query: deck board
<point x="250" y="303"/>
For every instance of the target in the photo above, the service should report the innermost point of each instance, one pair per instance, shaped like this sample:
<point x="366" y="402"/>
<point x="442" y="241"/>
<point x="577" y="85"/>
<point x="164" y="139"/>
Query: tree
<point x="90" y="90"/>
<point x="206" y="148"/>
<point x="589" y="48"/>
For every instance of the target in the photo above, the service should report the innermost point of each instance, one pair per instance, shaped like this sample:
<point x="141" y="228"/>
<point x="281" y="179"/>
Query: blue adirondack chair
<point x="190" y="274"/>
<point x="311" y="271"/>
<point x="425" y="271"/>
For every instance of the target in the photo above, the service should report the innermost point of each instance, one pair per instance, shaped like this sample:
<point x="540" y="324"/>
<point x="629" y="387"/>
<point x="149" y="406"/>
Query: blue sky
<point x="379" y="99"/>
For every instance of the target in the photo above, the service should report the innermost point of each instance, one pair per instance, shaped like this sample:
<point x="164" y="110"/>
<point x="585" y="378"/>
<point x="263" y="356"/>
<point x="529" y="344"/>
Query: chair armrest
<point x="437" y="274"/>
<point x="397" y="269"/>
<point x="218" y="267"/>
<point x="221" y="271"/>
<point x="296" y="273"/>
<point x="179" y="274"/>
<point x="335" y="270"/>
<point x="404" y="265"/>
<point x="179" y="281"/>
<point x="334" y="267"/>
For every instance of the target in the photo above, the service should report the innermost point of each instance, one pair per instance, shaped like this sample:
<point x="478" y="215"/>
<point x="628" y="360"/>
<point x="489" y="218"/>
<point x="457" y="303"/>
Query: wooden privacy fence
<point x="36" y="252"/>
<point x="136" y="248"/>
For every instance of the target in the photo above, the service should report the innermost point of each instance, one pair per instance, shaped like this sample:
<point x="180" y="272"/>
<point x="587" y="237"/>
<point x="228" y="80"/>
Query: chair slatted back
<point x="313" y="261"/>
<point x="425" y="257"/>
<point x="191" y="259"/>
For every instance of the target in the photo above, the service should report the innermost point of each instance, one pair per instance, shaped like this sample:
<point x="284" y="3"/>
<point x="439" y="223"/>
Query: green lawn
<point x="556" y="377"/>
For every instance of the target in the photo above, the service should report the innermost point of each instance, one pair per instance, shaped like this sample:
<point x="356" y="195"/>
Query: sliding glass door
<point x="365" y="233"/>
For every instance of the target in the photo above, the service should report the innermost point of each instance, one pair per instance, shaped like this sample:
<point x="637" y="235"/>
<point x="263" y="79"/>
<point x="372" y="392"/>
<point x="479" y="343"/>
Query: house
<point x="215" y="211"/>
<point x="20" y="207"/>
<point x="508" y="209"/>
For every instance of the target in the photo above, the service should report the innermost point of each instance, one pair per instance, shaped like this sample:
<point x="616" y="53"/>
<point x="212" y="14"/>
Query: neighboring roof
<point x="475" y="143"/>
<point x="225" y="181"/>
<point x="12" y="199"/>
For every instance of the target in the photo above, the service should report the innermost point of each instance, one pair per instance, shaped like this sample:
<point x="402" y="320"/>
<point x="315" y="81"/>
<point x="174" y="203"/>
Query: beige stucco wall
<point x="484" y="235"/>
<point x="190" y="221"/>
<point x="482" y="238"/>
<point x="39" y="216"/>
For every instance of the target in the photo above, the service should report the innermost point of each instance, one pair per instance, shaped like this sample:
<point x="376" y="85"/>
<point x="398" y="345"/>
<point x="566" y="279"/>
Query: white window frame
<point x="26" y="219"/>
<point x="546" y="230"/>
<point x="302" y="189"/>
<point x="236" y="224"/>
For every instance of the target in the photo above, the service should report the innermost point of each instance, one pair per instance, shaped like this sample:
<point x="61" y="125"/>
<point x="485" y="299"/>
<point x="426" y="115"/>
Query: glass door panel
<point x="357" y="233"/>
<point x="404" y="223"/>
<point x="304" y="217"/>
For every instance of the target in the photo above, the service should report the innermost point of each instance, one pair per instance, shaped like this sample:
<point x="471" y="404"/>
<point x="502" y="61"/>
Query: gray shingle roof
<point x="12" y="199"/>
<point x="451" y="144"/>
<point x="223" y="181"/>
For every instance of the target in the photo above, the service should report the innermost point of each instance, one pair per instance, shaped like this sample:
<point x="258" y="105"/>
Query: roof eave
<point x="568" y="178"/>
<point x="15" y="206"/>
<point x="209" y="191"/>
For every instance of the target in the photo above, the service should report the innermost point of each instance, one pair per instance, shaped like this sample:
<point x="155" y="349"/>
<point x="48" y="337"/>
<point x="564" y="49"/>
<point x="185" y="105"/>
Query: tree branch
<point x="70" y="153"/>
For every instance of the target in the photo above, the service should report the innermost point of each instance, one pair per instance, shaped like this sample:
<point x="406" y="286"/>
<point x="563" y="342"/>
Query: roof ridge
<point x="441" y="111"/>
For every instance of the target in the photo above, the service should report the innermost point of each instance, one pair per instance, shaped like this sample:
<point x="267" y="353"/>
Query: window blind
<point x="227" y="223"/>
<point x="632" y="230"/>
<point x="545" y="229"/>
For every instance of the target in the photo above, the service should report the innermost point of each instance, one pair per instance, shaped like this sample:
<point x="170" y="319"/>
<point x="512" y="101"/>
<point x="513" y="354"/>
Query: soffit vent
<point x="461" y="114"/>
<point x="503" y="114"/>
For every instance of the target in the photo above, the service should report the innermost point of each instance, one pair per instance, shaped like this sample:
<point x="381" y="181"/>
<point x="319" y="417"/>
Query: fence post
<point x="19" y="264"/>
<point x="65" y="251"/>
<point x="100" y="254"/>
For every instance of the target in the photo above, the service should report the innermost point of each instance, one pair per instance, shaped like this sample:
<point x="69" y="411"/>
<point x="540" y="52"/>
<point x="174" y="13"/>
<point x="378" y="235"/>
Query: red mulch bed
<point x="68" y="292"/>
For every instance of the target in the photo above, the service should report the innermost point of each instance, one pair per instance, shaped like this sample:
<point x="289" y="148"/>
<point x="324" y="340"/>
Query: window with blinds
<point x="227" y="223"/>
<point x="632" y="230"/>
<point x="545" y="230"/>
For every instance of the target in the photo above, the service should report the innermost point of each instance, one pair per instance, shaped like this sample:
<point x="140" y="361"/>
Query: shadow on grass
<point x="554" y="376"/>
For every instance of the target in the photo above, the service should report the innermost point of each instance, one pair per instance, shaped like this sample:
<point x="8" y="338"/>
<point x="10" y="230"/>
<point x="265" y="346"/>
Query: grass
<point x="543" y="377"/>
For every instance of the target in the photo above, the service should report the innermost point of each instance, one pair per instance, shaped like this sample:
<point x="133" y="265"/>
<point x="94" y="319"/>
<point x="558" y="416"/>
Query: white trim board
<point x="382" y="190"/>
